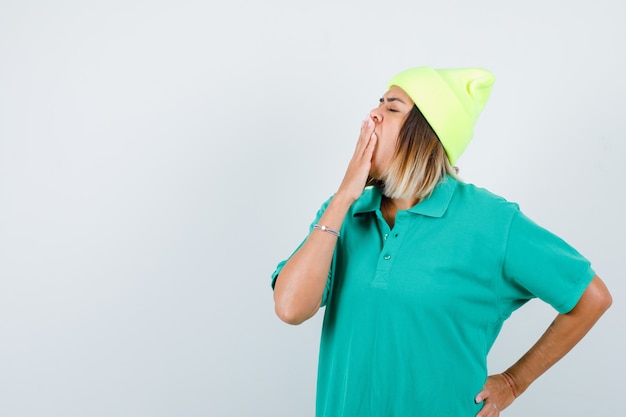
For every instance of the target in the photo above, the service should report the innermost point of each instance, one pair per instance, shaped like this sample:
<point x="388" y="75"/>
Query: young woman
<point x="418" y="270"/>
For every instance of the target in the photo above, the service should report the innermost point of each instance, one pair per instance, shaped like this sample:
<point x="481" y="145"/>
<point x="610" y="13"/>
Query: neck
<point x="400" y="203"/>
<point x="390" y="206"/>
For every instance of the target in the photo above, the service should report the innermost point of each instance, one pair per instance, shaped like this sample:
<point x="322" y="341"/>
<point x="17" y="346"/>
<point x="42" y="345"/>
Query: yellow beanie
<point x="450" y="100"/>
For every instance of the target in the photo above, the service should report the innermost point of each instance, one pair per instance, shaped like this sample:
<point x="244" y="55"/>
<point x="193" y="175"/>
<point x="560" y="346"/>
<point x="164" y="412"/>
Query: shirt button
<point x="387" y="257"/>
<point x="386" y="236"/>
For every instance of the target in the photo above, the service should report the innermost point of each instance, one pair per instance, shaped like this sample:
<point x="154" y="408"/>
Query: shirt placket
<point x="391" y="242"/>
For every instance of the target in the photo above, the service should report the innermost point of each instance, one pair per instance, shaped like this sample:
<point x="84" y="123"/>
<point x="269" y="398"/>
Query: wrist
<point x="343" y="199"/>
<point x="335" y="212"/>
<point x="517" y="379"/>
<point x="511" y="383"/>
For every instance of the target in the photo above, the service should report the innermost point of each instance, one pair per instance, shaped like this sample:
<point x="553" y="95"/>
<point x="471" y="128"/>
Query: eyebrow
<point x="391" y="99"/>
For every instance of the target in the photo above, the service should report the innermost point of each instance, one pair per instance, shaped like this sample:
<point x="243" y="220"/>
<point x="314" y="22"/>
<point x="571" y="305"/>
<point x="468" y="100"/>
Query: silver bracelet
<point x="326" y="229"/>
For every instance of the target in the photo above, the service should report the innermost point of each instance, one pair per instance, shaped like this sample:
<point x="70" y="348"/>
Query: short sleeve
<point x="280" y="266"/>
<point x="542" y="265"/>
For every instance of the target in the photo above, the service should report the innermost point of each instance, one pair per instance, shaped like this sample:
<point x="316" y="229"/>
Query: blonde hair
<point x="419" y="161"/>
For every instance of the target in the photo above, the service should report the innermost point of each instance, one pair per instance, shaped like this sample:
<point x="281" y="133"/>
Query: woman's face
<point x="394" y="107"/>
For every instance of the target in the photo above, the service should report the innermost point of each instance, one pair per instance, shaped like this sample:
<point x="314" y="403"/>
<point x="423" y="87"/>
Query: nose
<point x="376" y="115"/>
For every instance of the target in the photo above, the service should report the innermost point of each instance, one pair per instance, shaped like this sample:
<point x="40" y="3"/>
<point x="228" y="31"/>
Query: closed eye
<point x="382" y="100"/>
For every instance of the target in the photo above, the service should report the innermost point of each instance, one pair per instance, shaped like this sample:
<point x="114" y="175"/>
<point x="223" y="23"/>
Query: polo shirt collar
<point x="438" y="201"/>
<point x="369" y="201"/>
<point x="433" y="206"/>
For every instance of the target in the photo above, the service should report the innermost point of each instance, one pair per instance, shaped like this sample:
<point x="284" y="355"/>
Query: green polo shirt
<point x="411" y="312"/>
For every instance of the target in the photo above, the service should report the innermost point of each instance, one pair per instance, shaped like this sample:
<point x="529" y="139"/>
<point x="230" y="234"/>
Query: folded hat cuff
<point x="449" y="119"/>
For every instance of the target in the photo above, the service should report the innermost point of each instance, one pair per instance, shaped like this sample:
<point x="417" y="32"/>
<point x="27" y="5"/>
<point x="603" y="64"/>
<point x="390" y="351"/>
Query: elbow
<point x="294" y="304"/>
<point x="606" y="300"/>
<point x="596" y="299"/>
<point x="289" y="315"/>
<point x="602" y="297"/>
<point x="293" y="311"/>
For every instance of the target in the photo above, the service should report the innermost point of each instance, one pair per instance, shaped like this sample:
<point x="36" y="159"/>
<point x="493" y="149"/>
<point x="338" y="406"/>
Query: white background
<point x="158" y="158"/>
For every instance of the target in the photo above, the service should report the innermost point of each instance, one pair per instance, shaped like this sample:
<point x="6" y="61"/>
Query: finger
<point x="367" y="128"/>
<point x="364" y="156"/>
<point x="489" y="409"/>
<point x="480" y="397"/>
<point x="371" y="145"/>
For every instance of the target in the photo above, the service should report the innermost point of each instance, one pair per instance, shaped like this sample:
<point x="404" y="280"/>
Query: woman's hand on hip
<point x="358" y="170"/>
<point x="497" y="394"/>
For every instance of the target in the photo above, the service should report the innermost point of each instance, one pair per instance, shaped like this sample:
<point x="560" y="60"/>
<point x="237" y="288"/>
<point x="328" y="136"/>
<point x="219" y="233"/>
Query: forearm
<point x="300" y="286"/>
<point x="299" y="289"/>
<point x="562" y="335"/>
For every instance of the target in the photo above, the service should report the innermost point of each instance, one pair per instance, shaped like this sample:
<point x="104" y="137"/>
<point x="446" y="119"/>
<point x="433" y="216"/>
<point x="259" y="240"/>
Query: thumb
<point x="480" y="397"/>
